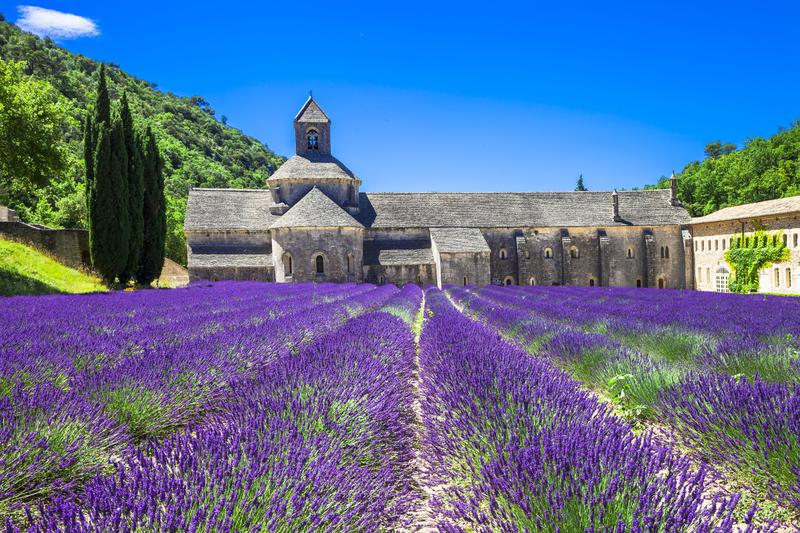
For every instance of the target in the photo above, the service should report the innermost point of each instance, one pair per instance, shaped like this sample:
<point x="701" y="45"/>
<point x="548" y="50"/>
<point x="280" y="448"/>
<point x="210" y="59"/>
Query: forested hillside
<point x="197" y="148"/>
<point x="763" y="169"/>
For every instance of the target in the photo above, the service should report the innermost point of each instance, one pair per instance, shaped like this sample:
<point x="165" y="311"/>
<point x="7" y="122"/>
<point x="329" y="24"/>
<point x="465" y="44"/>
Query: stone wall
<point x="69" y="246"/>
<point x="463" y="268"/>
<point x="712" y="240"/>
<point x="305" y="244"/>
<point x="400" y="274"/>
<point x="616" y="256"/>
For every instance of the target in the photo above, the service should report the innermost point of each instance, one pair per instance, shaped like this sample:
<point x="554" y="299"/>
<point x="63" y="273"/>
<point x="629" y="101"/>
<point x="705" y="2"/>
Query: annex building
<point x="314" y="224"/>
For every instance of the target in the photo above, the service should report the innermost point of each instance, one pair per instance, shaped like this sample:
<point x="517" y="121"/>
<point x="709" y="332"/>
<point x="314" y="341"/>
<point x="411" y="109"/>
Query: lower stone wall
<point x="231" y="273"/>
<point x="69" y="246"/>
<point x="400" y="274"/>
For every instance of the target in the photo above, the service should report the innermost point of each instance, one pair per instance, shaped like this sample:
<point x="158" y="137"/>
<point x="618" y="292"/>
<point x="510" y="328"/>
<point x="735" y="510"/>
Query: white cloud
<point x="55" y="24"/>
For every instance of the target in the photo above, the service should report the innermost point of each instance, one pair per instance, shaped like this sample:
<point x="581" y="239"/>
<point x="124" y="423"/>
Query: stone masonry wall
<point x="304" y="244"/>
<point x="712" y="240"/>
<point x="69" y="246"/>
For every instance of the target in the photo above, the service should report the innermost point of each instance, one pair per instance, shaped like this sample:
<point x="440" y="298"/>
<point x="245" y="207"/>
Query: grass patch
<point x="25" y="271"/>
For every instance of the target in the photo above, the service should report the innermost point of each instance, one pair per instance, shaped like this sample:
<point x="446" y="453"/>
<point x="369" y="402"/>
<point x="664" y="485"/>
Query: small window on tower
<point x="312" y="140"/>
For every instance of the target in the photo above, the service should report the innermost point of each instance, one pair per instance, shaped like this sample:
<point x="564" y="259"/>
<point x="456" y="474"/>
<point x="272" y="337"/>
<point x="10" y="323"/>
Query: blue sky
<point x="469" y="96"/>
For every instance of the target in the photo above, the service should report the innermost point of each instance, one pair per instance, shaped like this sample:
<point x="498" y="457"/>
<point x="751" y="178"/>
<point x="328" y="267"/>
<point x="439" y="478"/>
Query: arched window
<point x="548" y="253"/>
<point x="465" y="281"/>
<point x="638" y="284"/>
<point x="777" y="277"/>
<point x="503" y="253"/>
<point x="785" y="237"/>
<point x="708" y="275"/>
<point x="574" y="252"/>
<point x="794" y="240"/>
<point x="702" y="246"/>
<point x="287" y="264"/>
<point x="660" y="283"/>
<point x="381" y="280"/>
<point x="716" y="245"/>
<point x="591" y="282"/>
<point x="320" y="264"/>
<point x="509" y="280"/>
<point x="532" y="281"/>
<point x="528" y="252"/>
<point x="666" y="252"/>
<point x="788" y="278"/>
<point x="312" y="140"/>
<point x="631" y="253"/>
<point x="696" y="246"/>
<point x="349" y="263"/>
<point x="699" y="275"/>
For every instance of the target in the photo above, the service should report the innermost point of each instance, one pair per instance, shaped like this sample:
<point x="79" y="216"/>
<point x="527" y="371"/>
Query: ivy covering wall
<point x="748" y="255"/>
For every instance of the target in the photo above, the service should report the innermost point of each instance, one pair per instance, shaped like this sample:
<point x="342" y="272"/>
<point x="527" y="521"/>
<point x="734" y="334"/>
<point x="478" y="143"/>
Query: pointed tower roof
<point x="316" y="210"/>
<point x="311" y="112"/>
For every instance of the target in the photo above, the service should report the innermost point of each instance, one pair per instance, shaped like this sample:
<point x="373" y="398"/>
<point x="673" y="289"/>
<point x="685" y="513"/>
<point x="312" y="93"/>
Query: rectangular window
<point x="777" y="277"/>
<point x="716" y="245"/>
<point x="794" y="239"/>
<point x="788" y="278"/>
<point x="723" y="244"/>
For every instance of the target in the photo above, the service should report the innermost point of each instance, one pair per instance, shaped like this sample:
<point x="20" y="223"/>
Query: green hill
<point x="198" y="149"/>
<point x="25" y="270"/>
<point x="764" y="169"/>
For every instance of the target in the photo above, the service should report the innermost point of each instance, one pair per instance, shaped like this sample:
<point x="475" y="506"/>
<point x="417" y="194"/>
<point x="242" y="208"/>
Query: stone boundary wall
<point x="69" y="246"/>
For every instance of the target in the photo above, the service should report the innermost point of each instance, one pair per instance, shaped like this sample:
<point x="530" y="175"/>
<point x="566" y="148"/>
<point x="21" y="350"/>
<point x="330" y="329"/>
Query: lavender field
<point x="239" y="406"/>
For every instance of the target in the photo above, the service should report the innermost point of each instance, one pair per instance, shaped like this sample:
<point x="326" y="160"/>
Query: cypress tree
<point x="135" y="189"/>
<point x="96" y="155"/>
<point x="109" y="244"/>
<point x="89" y="145"/>
<point x="155" y="216"/>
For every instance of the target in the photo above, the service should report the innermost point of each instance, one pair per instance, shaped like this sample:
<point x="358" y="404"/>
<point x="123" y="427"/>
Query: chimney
<point x="673" y="190"/>
<point x="615" y="205"/>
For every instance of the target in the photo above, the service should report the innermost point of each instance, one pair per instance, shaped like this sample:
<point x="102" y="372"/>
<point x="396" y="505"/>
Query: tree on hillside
<point x="580" y="186"/>
<point x="32" y="118"/>
<point x="154" y="213"/>
<point x="716" y="149"/>
<point x="135" y="189"/>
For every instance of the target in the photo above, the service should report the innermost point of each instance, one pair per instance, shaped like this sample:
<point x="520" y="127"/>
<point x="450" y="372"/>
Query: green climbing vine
<point x="748" y="255"/>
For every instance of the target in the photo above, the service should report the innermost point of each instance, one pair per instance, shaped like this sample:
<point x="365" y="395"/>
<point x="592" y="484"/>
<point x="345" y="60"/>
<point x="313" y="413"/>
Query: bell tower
<point x="312" y="131"/>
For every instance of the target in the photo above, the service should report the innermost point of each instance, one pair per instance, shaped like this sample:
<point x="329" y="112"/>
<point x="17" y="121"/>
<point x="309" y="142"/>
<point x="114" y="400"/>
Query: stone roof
<point x="315" y="167"/>
<point x="458" y="240"/>
<point x="781" y="206"/>
<point x="230" y="260"/>
<point x="521" y="209"/>
<point x="311" y="112"/>
<point x="397" y="253"/>
<point x="229" y="209"/>
<point x="315" y="210"/>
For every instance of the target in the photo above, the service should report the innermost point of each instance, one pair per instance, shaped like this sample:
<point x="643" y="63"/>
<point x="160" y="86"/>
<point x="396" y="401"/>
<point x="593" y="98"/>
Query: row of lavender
<point x="87" y="379"/>
<point x="515" y="445"/>
<point x="736" y="404"/>
<point x="317" y="440"/>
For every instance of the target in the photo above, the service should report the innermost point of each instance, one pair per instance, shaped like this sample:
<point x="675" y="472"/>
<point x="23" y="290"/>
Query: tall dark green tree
<point x="580" y="186"/>
<point x="135" y="189"/>
<point x="89" y="145"/>
<point x="91" y="149"/>
<point x="155" y="211"/>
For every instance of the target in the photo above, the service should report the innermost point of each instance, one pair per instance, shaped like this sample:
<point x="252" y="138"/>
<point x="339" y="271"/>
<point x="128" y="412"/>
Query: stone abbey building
<point x="313" y="224"/>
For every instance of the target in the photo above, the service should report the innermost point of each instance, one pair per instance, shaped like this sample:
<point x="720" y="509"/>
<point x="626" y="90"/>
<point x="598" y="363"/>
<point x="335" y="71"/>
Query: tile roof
<point x="311" y="112"/>
<point x="230" y="260"/>
<point x="455" y="240"/>
<point x="510" y="210"/>
<point x="315" y="210"/>
<point x="218" y="209"/>
<point x="759" y="209"/>
<point x="316" y="167"/>
<point x="396" y="253"/>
